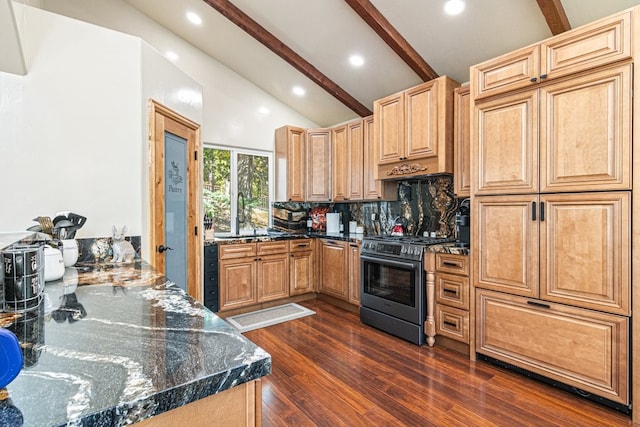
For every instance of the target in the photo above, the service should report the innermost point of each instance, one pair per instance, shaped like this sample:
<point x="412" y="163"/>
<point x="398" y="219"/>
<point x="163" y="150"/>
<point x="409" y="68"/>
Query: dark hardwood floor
<point x="331" y="370"/>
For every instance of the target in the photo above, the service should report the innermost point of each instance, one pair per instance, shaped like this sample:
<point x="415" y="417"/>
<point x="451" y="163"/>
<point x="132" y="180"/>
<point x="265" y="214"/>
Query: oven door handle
<point x="392" y="263"/>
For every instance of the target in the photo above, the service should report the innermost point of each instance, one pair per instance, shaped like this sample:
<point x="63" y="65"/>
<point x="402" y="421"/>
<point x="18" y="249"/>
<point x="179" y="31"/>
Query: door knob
<point x="163" y="248"/>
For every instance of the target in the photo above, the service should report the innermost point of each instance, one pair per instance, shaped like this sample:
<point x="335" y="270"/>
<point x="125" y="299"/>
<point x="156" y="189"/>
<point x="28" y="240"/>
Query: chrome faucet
<point x="240" y="216"/>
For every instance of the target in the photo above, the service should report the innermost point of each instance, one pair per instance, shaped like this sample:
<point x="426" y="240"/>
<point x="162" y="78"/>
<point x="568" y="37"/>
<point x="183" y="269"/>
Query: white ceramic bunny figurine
<point x="122" y="249"/>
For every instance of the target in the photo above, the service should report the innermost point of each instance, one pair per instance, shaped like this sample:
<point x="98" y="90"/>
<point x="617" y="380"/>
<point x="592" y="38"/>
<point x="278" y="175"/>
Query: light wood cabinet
<point x="319" y="168"/>
<point x="590" y="46"/>
<point x="251" y="273"/>
<point x="413" y="130"/>
<point x="574" y="135"/>
<point x="240" y="405"/>
<point x="237" y="283"/>
<point x="339" y="163"/>
<point x="452" y="296"/>
<point x="552" y="154"/>
<point x="333" y="268"/>
<point x="301" y="266"/>
<point x="272" y="279"/>
<point x="354" y="273"/>
<point x="290" y="173"/>
<point x="355" y="160"/>
<point x="582" y="348"/>
<point x="347" y="161"/>
<point x="372" y="186"/>
<point x="567" y="248"/>
<point x="462" y="141"/>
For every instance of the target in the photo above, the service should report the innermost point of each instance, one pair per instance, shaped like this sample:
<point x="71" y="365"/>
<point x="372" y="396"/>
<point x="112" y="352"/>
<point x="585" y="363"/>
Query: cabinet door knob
<point x="543" y="76"/>
<point x="533" y="79"/>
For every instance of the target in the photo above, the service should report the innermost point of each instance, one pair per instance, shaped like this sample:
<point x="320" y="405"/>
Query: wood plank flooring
<point x="329" y="369"/>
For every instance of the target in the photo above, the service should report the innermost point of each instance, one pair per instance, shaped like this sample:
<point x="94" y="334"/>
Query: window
<point x="237" y="190"/>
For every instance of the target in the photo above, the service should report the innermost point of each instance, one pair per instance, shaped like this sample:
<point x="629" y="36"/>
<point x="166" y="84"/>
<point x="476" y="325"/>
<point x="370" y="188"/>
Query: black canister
<point x="23" y="277"/>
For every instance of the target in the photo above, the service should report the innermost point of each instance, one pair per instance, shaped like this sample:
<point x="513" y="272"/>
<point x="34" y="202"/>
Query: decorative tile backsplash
<point x="426" y="204"/>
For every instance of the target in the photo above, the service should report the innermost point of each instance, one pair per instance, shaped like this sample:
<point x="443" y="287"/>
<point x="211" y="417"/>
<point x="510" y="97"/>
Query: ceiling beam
<point x="555" y="15"/>
<point x="393" y="38"/>
<point x="258" y="32"/>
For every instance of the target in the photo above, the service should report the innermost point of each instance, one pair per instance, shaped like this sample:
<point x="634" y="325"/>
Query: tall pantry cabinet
<point x="552" y="201"/>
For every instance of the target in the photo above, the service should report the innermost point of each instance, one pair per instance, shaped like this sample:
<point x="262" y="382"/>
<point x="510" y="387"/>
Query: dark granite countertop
<point x="272" y="236"/>
<point x="112" y="344"/>
<point x="448" y="248"/>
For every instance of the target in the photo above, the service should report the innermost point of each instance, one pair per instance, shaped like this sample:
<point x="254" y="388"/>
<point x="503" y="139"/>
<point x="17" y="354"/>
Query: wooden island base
<point x="237" y="406"/>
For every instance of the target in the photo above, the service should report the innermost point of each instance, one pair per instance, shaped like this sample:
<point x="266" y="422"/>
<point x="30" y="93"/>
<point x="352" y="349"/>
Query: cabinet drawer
<point x="585" y="349"/>
<point x="451" y="263"/>
<point x="275" y="247"/>
<point x="452" y="290"/>
<point x="452" y="323"/>
<point x="300" y="245"/>
<point x="239" y="250"/>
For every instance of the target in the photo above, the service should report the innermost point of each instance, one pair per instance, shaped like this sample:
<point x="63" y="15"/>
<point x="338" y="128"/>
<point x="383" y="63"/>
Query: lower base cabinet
<point x="238" y="406"/>
<point x="252" y="273"/>
<point x="582" y="348"/>
<point x="333" y="268"/>
<point x="301" y="266"/>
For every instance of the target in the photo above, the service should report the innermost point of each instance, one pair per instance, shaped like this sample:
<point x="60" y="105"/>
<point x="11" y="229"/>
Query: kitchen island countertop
<point x="113" y="344"/>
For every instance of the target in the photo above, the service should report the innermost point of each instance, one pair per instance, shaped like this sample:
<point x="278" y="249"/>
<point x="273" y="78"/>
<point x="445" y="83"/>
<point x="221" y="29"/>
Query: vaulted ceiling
<point x="279" y="44"/>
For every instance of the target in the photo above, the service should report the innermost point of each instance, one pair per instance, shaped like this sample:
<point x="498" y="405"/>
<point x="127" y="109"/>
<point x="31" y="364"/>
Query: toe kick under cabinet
<point x="582" y="348"/>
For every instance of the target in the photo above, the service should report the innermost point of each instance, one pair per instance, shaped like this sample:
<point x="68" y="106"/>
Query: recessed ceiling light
<point x="356" y="60"/>
<point x="194" y="18"/>
<point x="264" y="110"/>
<point x="171" y="56"/>
<point x="454" y="7"/>
<point x="297" y="90"/>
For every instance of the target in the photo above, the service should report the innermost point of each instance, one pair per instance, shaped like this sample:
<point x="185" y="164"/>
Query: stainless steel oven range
<point x="393" y="296"/>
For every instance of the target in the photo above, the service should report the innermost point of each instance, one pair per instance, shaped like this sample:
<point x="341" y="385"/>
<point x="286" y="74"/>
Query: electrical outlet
<point x="373" y="216"/>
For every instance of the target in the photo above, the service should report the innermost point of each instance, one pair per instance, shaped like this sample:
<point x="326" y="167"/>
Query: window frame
<point x="233" y="164"/>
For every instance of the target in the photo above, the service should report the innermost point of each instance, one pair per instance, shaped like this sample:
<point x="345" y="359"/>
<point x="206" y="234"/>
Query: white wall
<point x="71" y="127"/>
<point x="74" y="129"/>
<point x="231" y="102"/>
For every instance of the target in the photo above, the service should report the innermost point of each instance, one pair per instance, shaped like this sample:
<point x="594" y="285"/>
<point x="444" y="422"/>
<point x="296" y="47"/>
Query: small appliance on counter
<point x="333" y="222"/>
<point x="53" y="263"/>
<point x="463" y="225"/>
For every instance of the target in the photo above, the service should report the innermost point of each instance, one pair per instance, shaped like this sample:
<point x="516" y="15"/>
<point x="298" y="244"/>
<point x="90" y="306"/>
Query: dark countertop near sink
<point x="278" y="235"/>
<point x="447" y="248"/>
<point x="113" y="344"/>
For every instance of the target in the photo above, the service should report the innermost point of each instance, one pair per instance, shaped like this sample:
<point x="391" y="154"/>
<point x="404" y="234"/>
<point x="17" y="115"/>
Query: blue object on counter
<point x="10" y="357"/>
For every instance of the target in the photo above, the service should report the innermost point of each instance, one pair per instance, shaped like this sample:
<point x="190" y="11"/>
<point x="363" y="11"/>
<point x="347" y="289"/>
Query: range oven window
<point x="390" y="282"/>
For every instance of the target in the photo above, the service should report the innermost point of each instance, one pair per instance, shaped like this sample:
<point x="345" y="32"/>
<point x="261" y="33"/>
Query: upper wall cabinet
<point x="318" y="165"/>
<point x="347" y="161"/>
<point x="590" y="46"/>
<point x="462" y="142"/>
<point x="413" y="130"/>
<point x="372" y="186"/>
<point x="290" y="164"/>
